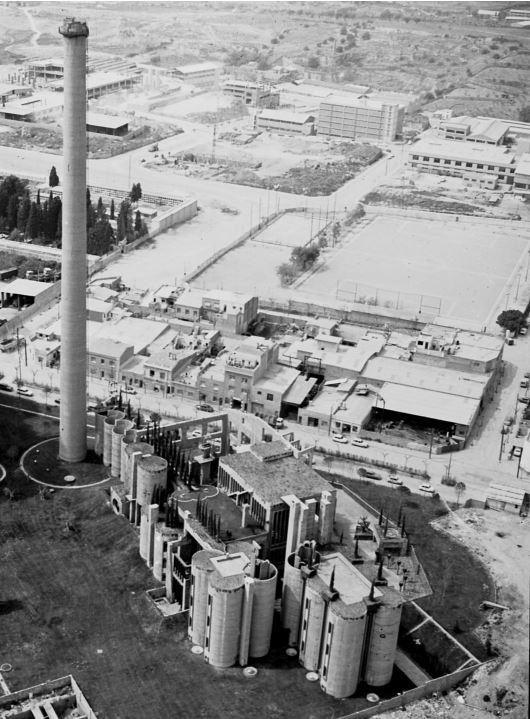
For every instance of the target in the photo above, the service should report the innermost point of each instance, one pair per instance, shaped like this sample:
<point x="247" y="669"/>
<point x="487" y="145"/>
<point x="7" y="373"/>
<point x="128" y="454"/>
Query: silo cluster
<point x="232" y="606"/>
<point x="346" y="632"/>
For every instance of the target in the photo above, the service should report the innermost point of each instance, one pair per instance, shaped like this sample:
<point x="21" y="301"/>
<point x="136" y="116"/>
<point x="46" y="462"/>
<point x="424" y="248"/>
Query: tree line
<point x="26" y="219"/>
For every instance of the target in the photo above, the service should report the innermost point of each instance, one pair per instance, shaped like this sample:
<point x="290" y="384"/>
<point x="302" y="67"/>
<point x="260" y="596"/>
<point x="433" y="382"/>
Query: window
<point x="437" y="160"/>
<point x="258" y="392"/>
<point x="458" y="163"/>
<point x="270" y="397"/>
<point x="415" y="157"/>
<point x="151" y="373"/>
<point x="469" y="164"/>
<point x="425" y="159"/>
<point x="102" y="361"/>
<point x="186" y="312"/>
<point x="491" y="167"/>
<point x="162" y="375"/>
<point x="447" y="162"/>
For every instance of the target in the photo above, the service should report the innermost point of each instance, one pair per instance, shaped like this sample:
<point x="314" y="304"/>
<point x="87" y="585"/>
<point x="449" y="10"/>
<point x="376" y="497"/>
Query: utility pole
<point x="502" y="444"/>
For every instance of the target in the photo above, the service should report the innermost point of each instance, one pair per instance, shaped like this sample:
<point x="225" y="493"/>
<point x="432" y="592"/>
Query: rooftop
<point x="278" y="378"/>
<point x="132" y="330"/>
<point x="21" y="286"/>
<point x="198" y="67"/>
<point x="523" y="164"/>
<point x="506" y="493"/>
<point x="100" y="120"/>
<point x="465" y="151"/>
<point x="351" y="585"/>
<point x="358" y="102"/>
<point x="420" y="402"/>
<point x="415" y="374"/>
<point x="271" y="480"/>
<point x="298" y="118"/>
<point x="107" y="346"/>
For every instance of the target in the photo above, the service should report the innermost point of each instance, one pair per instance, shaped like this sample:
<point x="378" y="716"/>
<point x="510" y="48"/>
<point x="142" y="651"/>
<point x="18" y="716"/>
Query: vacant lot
<point x="459" y="270"/>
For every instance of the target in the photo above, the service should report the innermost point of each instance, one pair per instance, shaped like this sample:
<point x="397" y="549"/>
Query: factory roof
<point x="297" y="118"/>
<point x="98" y="119"/>
<point x="169" y="359"/>
<point x="429" y="403"/>
<point x="278" y="378"/>
<point x="271" y="480"/>
<point x="299" y="390"/>
<point x="465" y="151"/>
<point x="415" y="374"/>
<point x="351" y="585"/>
<point x="355" y="409"/>
<point x="93" y="304"/>
<point x="101" y="293"/>
<point x="132" y="330"/>
<point x="26" y="288"/>
<point x="198" y="67"/>
<point x="107" y="346"/>
<point x="506" y="493"/>
<point x="359" y="102"/>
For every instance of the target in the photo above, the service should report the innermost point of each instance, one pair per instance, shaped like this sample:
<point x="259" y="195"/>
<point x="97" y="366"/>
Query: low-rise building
<point x="254" y="94"/>
<point x="490" y="164"/>
<point x="106" y="356"/>
<point x="481" y="130"/>
<point x="458" y="349"/>
<point x="297" y="123"/>
<point x="521" y="180"/>
<point x="106" y="124"/>
<point x="98" y="310"/>
<point x="199" y="73"/>
<point x="229" y="312"/>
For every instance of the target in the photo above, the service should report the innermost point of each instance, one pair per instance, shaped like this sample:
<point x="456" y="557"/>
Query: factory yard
<point x="440" y="267"/>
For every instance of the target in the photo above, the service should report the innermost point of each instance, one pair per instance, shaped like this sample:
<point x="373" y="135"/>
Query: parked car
<point x="6" y="387"/>
<point x="25" y="391"/>
<point x="8" y="344"/>
<point x="279" y="423"/>
<point x="128" y="389"/>
<point x="429" y="489"/>
<point x="394" y="479"/>
<point x="340" y="438"/>
<point x="204" y="407"/>
<point x="517" y="451"/>
<point x="524" y="383"/>
<point x="523" y="331"/>
<point x="357" y="442"/>
<point x="364" y="472"/>
<point x="524" y="400"/>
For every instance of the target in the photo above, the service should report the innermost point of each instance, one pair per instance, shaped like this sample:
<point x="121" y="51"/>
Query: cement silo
<point x="225" y="599"/>
<point x="313" y="613"/>
<point x="266" y="576"/>
<point x="292" y="592"/>
<point x="151" y="473"/>
<point x="133" y="452"/>
<point x="99" y="431"/>
<point x="120" y="427"/>
<point x="72" y="380"/>
<point x="342" y="648"/>
<point x="383" y="639"/>
<point x="201" y="570"/>
<point x="128" y="438"/>
<point x="113" y="415"/>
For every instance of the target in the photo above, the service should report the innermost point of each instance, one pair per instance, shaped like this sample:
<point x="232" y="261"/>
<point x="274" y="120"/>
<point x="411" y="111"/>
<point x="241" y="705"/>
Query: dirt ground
<point x="500" y="688"/>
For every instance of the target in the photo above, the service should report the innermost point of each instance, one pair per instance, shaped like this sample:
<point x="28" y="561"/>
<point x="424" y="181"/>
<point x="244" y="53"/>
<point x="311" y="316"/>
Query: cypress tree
<point x="12" y="212"/>
<point x="24" y="207"/>
<point x="32" y="225"/>
<point x="112" y="210"/>
<point x="54" y="177"/>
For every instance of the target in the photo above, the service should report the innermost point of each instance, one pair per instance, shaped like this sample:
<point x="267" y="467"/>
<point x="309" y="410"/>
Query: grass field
<point x="459" y="270"/>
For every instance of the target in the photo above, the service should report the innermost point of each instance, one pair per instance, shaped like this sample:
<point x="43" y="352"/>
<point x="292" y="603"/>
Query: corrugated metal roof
<point x="299" y="390"/>
<point x="421" y="402"/>
<point x="505" y="493"/>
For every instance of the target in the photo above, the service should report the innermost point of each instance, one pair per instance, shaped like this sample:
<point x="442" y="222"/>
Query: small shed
<point x="505" y="498"/>
<point x="106" y="124"/>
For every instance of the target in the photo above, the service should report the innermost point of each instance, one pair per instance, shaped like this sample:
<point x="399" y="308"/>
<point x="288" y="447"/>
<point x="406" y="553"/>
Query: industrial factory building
<point x="343" y="626"/>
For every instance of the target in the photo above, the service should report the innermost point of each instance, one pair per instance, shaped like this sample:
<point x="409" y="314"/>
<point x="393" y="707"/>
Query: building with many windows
<point x="353" y="118"/>
<point x="199" y="73"/>
<point x="255" y="94"/>
<point x="521" y="179"/>
<point x="482" y="164"/>
<point x="286" y="121"/>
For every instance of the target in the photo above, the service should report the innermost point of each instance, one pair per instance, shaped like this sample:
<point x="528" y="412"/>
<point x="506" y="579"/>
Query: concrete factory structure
<point x="343" y="626"/>
<point x="72" y="433"/>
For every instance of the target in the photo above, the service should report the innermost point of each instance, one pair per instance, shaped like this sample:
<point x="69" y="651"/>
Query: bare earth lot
<point x="465" y="267"/>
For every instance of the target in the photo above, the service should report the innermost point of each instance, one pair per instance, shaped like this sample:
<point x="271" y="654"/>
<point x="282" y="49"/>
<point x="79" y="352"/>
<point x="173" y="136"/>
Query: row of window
<point x="462" y="163"/>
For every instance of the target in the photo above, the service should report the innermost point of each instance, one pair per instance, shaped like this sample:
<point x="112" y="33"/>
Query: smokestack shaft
<point x="72" y="441"/>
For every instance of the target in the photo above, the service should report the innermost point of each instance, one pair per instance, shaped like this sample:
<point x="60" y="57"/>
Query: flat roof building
<point x="106" y="124"/>
<point x="255" y="94"/>
<point x="199" y="73"/>
<point x="463" y="159"/>
<point x="359" y="118"/>
<point x="521" y="180"/>
<point x="286" y="121"/>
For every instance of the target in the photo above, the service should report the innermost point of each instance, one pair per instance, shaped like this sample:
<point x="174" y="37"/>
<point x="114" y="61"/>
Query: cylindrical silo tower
<point x="201" y="570"/>
<point x="151" y="472"/>
<point x="383" y="639"/>
<point x="343" y="647"/>
<point x="292" y="591"/>
<point x="133" y="453"/>
<point x="266" y="576"/>
<point x="128" y="438"/>
<point x="113" y="415"/>
<point x="313" y="613"/>
<point x="72" y="429"/>
<point x="99" y="431"/>
<point x="226" y="596"/>
<point x="120" y="427"/>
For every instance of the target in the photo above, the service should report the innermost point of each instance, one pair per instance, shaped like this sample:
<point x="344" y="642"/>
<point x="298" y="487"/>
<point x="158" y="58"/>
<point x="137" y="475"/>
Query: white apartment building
<point x="361" y="118"/>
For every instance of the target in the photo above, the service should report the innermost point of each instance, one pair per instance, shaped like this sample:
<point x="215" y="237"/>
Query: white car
<point x="394" y="479"/>
<point x="357" y="442"/>
<point x="25" y="391"/>
<point x="429" y="489"/>
<point x="340" y="438"/>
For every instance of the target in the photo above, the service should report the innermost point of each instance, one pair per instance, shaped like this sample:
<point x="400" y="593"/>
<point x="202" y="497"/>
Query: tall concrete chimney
<point x="72" y="433"/>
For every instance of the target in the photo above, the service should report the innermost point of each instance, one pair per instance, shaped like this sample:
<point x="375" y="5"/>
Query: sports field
<point x="461" y="270"/>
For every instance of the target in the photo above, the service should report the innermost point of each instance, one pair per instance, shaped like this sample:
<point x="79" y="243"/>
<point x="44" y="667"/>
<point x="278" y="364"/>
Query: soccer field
<point x="457" y="269"/>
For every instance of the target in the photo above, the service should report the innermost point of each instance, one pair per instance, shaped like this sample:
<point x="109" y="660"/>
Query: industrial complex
<point x="275" y="428"/>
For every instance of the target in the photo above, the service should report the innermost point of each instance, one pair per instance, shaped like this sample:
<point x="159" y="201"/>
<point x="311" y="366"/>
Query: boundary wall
<point x="501" y="223"/>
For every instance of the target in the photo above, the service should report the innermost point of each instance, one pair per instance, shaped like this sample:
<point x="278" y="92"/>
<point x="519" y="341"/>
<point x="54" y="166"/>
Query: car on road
<point x="279" y="423"/>
<point x="517" y="451"/>
<point x="25" y="391"/>
<point x="357" y="442"/>
<point x="363" y="472"/>
<point x="340" y="438"/>
<point x="129" y="390"/>
<point x="204" y="407"/>
<point x="429" y="489"/>
<point x="394" y="479"/>
<point x="6" y="387"/>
